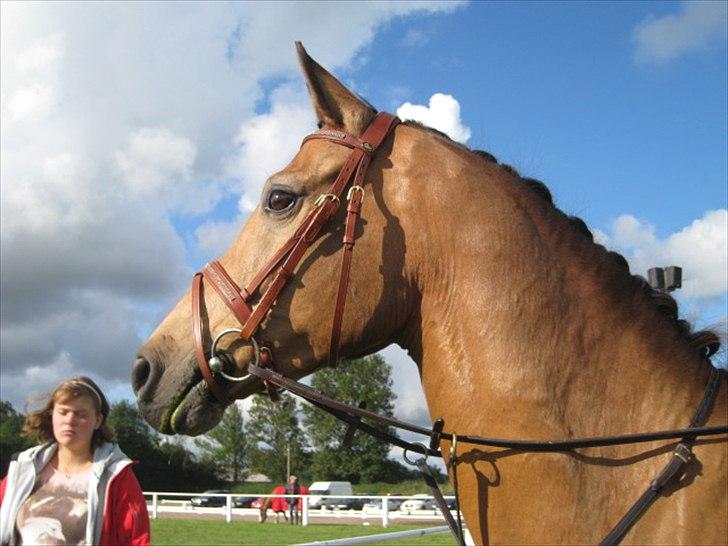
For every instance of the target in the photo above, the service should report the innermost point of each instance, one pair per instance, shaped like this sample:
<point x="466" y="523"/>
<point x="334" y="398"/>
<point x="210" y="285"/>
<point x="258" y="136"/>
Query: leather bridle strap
<point x="282" y="265"/>
<point x="202" y="362"/>
<point x="328" y="203"/>
<point x="353" y="210"/>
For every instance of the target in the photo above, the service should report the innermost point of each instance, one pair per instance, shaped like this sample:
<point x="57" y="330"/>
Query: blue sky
<point x="136" y="136"/>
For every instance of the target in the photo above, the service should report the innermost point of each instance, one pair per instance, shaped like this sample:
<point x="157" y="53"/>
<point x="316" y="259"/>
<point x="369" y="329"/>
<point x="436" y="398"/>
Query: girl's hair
<point x="40" y="423"/>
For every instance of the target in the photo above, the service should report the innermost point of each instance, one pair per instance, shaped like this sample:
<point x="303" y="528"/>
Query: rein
<point x="282" y="265"/>
<point x="352" y="415"/>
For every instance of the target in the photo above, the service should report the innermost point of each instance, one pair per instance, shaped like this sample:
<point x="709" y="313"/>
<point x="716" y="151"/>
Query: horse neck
<point x="525" y="325"/>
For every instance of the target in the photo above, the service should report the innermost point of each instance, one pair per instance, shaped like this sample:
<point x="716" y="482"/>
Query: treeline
<point x="274" y="437"/>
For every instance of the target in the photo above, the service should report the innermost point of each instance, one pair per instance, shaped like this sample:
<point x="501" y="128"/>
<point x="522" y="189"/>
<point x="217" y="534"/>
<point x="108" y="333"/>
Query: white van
<point x="317" y="489"/>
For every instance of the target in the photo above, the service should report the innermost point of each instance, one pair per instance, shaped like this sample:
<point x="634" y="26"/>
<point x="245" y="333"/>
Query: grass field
<point x="179" y="532"/>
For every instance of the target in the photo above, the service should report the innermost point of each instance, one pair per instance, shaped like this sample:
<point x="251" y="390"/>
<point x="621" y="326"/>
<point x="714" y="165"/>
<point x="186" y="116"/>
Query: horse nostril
<point x="140" y="374"/>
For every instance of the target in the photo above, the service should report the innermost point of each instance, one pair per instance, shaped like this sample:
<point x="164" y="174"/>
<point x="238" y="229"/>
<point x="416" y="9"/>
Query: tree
<point x="11" y="438"/>
<point x="181" y="470"/>
<point x="132" y="433"/>
<point x="365" y="380"/>
<point x="163" y="465"/>
<point x="225" y="446"/>
<point x="137" y="441"/>
<point x="275" y="433"/>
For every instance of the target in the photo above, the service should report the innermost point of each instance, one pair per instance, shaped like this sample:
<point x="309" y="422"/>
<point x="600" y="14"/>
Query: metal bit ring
<point x="215" y="361"/>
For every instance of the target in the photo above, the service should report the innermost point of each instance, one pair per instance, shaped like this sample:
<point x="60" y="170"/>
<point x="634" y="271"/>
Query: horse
<point x="520" y="324"/>
<point x="277" y="504"/>
<point x="280" y="505"/>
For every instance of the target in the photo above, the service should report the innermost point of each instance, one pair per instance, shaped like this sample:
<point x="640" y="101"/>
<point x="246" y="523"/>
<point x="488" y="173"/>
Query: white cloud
<point x="155" y="159"/>
<point x="31" y="101"/>
<point x="701" y="249"/>
<point x="696" y="25"/>
<point x="442" y="113"/>
<point x="42" y="54"/>
<point x="267" y="142"/>
<point x="324" y="27"/>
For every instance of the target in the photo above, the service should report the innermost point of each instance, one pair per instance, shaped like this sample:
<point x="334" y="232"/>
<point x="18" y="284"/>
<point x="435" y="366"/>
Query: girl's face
<point x="74" y="421"/>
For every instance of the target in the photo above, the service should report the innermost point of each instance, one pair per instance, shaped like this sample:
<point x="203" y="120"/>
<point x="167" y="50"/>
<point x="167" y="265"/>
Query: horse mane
<point x="705" y="342"/>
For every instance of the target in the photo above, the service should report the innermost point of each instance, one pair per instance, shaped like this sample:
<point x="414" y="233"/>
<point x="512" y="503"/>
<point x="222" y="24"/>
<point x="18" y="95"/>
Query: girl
<point x="76" y="487"/>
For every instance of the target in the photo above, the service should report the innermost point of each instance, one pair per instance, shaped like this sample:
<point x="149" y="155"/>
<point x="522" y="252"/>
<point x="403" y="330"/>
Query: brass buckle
<point x="321" y="199"/>
<point x="352" y="190"/>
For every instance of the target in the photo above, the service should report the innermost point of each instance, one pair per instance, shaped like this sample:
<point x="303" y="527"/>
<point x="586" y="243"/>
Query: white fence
<point x="381" y="509"/>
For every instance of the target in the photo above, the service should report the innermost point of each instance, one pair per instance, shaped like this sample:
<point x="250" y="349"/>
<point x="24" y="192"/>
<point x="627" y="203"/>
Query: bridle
<point x="286" y="259"/>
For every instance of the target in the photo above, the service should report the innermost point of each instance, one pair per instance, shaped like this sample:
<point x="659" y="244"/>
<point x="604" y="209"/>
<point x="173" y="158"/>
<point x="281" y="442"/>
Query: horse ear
<point x="334" y="104"/>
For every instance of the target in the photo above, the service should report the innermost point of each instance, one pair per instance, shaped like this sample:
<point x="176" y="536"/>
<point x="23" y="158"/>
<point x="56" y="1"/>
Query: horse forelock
<point x="705" y="342"/>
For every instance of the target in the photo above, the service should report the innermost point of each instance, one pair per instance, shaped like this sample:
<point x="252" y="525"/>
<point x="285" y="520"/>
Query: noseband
<point x="286" y="259"/>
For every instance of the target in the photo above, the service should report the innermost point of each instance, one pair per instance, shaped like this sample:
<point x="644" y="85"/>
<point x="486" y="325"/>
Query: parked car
<point x="244" y="501"/>
<point x="257" y="503"/>
<point x="374" y="506"/>
<point x="431" y="504"/>
<point x="213" y="497"/>
<point x="319" y="490"/>
<point x="344" y="504"/>
<point x="417" y="502"/>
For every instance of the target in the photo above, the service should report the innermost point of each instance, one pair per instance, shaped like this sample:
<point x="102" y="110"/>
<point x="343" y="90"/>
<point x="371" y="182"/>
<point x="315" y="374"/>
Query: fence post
<point x="304" y="510"/>
<point x="385" y="512"/>
<point x="154" y="505"/>
<point x="228" y="508"/>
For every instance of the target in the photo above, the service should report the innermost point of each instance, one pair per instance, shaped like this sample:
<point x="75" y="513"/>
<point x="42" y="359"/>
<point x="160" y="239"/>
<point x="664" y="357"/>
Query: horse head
<point x="295" y="329"/>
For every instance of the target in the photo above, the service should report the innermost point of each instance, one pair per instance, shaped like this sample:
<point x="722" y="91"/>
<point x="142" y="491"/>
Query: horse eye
<point x="280" y="200"/>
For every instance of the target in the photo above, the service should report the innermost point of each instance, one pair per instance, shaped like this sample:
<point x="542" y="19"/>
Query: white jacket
<point x="109" y="460"/>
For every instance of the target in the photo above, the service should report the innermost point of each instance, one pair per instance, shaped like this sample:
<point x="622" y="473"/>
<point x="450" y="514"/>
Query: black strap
<point x="350" y="411"/>
<point x="351" y="429"/>
<point x="440" y="500"/>
<point x="454" y="464"/>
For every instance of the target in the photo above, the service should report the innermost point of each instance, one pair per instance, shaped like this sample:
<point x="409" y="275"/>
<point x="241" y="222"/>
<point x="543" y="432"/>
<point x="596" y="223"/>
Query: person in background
<point x="292" y="488"/>
<point x="76" y="487"/>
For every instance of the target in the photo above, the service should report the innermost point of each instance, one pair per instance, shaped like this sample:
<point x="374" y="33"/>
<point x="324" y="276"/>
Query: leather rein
<point x="282" y="265"/>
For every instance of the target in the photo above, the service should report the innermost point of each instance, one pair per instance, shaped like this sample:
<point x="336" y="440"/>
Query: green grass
<point x="179" y="532"/>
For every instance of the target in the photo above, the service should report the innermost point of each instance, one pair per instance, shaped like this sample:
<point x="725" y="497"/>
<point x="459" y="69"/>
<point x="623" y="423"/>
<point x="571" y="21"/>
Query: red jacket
<point x="125" y="516"/>
<point x="126" y="520"/>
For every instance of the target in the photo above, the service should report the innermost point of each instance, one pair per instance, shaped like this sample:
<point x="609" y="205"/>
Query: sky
<point x="136" y="137"/>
